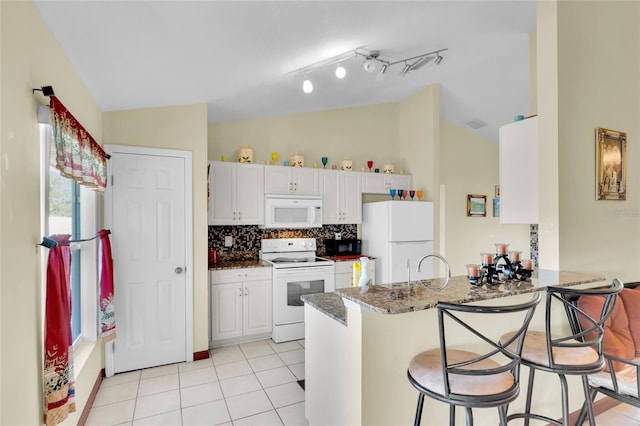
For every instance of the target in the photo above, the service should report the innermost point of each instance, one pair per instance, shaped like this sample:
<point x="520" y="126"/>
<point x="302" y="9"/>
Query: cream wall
<point x="359" y="133"/>
<point x="470" y="166"/>
<point x="589" y="235"/>
<point x="183" y="128"/>
<point x="30" y="58"/>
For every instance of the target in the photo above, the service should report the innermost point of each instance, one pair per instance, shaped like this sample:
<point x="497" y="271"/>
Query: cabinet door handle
<point x="239" y="215"/>
<point x="239" y="291"/>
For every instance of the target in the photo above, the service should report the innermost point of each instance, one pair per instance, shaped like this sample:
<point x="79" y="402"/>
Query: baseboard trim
<point x="92" y="397"/>
<point x="197" y="356"/>
<point x="599" y="407"/>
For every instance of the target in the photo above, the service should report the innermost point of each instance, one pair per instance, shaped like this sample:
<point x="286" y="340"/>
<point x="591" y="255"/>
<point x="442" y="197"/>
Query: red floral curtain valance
<point x="78" y="155"/>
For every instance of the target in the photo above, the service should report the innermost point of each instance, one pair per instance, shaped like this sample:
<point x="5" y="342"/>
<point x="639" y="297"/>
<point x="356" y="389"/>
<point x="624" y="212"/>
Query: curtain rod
<point x="50" y="242"/>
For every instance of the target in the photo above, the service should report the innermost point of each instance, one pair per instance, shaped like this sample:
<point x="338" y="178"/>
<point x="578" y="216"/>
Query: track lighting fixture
<point x="370" y="62"/>
<point x="307" y="86"/>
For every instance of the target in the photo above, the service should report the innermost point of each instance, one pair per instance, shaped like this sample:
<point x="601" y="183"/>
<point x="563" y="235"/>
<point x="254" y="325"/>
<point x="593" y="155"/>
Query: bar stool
<point x="484" y="379"/>
<point x="576" y="352"/>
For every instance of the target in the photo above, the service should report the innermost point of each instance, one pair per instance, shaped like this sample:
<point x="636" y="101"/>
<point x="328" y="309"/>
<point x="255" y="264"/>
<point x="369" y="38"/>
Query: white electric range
<point x="296" y="271"/>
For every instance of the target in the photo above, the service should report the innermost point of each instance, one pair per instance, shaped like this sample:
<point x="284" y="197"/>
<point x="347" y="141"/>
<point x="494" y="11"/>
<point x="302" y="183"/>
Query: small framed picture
<point x="496" y="207"/>
<point x="476" y="205"/>
<point x="497" y="194"/>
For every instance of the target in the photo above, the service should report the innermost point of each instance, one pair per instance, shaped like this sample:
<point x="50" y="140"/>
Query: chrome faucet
<point x="445" y="262"/>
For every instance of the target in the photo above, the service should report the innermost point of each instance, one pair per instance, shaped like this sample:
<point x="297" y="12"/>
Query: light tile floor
<point x="241" y="385"/>
<point x="247" y="384"/>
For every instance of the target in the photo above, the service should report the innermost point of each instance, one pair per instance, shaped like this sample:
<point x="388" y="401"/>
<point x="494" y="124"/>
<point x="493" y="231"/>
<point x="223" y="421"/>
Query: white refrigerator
<point x="397" y="232"/>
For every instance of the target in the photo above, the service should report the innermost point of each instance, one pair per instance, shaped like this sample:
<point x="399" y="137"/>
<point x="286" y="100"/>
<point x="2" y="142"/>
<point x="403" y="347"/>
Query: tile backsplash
<point x="246" y="239"/>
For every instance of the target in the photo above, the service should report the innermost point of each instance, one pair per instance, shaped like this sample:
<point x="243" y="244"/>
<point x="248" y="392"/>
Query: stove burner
<point x="290" y="260"/>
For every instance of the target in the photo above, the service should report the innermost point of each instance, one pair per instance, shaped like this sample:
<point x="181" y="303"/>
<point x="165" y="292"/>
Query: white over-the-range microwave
<point x="292" y="211"/>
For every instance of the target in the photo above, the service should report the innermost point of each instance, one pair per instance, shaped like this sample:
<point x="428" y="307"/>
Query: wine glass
<point x="419" y="194"/>
<point x="370" y="165"/>
<point x="392" y="192"/>
<point x="404" y="194"/>
<point x="325" y="160"/>
<point x="400" y="193"/>
<point x="412" y="193"/>
<point x="274" y="157"/>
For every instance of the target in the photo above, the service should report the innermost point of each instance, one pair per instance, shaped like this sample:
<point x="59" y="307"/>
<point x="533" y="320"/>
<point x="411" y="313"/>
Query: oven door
<point x="291" y="283"/>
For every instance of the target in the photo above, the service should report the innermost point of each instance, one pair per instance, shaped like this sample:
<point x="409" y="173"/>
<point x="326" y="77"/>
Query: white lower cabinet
<point x="240" y="304"/>
<point x="344" y="272"/>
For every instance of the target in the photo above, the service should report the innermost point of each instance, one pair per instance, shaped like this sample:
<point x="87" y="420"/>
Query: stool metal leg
<point x="469" y="416"/>
<point x="452" y="415"/>
<point x="587" y="401"/>
<point x="502" y="413"/>
<point x="527" y="409"/>
<point x="419" y="409"/>
<point x="565" y="399"/>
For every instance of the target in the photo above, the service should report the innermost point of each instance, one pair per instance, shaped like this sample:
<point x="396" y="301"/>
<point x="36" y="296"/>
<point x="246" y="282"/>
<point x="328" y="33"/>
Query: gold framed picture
<point x="611" y="165"/>
<point x="476" y="205"/>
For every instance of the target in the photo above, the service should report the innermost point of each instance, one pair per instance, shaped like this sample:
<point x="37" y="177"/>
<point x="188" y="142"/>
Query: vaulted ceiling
<point x="245" y="58"/>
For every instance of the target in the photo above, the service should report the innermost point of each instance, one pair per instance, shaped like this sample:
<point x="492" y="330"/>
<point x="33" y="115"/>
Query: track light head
<point x="307" y="86"/>
<point x="340" y="71"/>
<point x="380" y="75"/>
<point x="369" y="63"/>
<point x="438" y="59"/>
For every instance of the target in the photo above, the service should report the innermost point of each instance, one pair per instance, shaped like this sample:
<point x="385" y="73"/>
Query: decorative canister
<point x="388" y="168"/>
<point x="297" y="160"/>
<point x="245" y="154"/>
<point x="346" y="164"/>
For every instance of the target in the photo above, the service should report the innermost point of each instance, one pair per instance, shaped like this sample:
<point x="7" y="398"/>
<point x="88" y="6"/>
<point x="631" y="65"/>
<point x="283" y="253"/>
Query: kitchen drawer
<point x="344" y="267"/>
<point x="240" y="274"/>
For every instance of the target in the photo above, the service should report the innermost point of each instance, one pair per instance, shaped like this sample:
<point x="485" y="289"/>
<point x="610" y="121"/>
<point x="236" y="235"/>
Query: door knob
<point x="178" y="270"/>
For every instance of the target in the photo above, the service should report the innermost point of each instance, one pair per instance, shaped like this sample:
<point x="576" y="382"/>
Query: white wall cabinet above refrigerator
<point x="341" y="197"/>
<point x="236" y="193"/>
<point x="291" y="180"/>
<point x="519" y="172"/>
<point x="381" y="183"/>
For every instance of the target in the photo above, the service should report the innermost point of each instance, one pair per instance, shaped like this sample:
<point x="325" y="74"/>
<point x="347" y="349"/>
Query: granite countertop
<point x="329" y="303"/>
<point x="457" y="291"/>
<point x="237" y="264"/>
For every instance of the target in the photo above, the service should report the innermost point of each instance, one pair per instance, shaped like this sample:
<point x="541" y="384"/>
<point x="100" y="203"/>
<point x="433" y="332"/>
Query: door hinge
<point x="111" y="180"/>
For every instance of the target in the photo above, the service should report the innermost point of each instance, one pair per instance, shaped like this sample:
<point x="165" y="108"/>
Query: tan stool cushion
<point x="535" y="350"/>
<point x="426" y="369"/>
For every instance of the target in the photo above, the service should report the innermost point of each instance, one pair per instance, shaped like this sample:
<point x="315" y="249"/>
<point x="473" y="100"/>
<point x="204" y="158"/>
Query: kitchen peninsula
<point x="358" y="351"/>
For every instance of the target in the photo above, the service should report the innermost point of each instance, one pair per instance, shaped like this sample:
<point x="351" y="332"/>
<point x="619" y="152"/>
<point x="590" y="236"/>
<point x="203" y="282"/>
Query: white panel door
<point x="149" y="251"/>
<point x="329" y="186"/>
<point x="306" y="181"/>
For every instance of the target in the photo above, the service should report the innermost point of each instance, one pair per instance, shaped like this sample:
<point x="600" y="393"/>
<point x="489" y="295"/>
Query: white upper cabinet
<point x="381" y="183"/>
<point x="519" y="172"/>
<point x="341" y="197"/>
<point x="236" y="193"/>
<point x="291" y="180"/>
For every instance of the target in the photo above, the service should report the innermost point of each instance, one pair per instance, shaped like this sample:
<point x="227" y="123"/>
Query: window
<point x="69" y="208"/>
